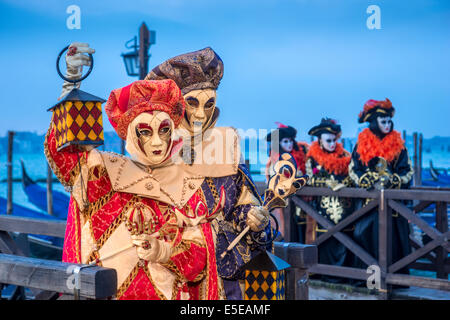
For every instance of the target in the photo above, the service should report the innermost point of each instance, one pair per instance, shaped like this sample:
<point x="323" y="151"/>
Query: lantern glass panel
<point x="131" y="61"/>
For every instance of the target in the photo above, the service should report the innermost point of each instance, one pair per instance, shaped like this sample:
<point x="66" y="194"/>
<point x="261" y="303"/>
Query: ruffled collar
<point x="371" y="146"/>
<point x="334" y="162"/>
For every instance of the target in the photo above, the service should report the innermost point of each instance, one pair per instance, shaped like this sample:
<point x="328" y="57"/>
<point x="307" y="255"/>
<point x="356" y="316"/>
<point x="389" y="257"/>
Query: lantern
<point x="78" y="116"/>
<point x="265" y="277"/>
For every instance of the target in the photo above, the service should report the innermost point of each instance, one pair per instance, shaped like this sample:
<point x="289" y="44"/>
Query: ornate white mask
<point x="149" y="138"/>
<point x="328" y="141"/>
<point x="287" y="144"/>
<point x="200" y="105"/>
<point x="384" y="124"/>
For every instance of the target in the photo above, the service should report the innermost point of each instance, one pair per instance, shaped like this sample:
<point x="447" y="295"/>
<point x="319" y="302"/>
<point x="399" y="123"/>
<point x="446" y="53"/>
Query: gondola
<point x="37" y="195"/>
<point x="21" y="211"/>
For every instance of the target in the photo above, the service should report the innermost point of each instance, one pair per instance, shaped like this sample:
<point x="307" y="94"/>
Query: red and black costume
<point x="380" y="161"/>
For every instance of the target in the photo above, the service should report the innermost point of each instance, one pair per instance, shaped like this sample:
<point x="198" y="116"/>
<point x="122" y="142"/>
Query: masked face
<point x="287" y="144"/>
<point x="328" y="141"/>
<point x="153" y="134"/>
<point x="384" y="124"/>
<point x="200" y="106"/>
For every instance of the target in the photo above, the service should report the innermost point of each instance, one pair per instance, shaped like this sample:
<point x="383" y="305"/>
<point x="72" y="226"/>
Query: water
<point x="36" y="166"/>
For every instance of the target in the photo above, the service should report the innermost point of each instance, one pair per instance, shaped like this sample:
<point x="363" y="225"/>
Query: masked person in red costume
<point x="327" y="166"/>
<point x="380" y="160"/>
<point x="283" y="139"/>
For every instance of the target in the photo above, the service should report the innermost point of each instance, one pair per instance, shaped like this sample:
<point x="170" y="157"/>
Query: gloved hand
<point x="257" y="218"/>
<point x="75" y="60"/>
<point x="151" y="249"/>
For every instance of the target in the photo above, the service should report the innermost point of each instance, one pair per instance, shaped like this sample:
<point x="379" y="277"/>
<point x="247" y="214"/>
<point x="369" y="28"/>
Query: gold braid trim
<point x="213" y="189"/>
<point x="112" y="227"/>
<point x="126" y="284"/>
<point x="97" y="205"/>
<point x="159" y="293"/>
<point x="115" y="224"/>
<point x="352" y="174"/>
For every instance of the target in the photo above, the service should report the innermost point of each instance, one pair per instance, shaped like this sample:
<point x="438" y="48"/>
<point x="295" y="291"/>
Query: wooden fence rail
<point x="45" y="278"/>
<point x="92" y="282"/>
<point x="386" y="202"/>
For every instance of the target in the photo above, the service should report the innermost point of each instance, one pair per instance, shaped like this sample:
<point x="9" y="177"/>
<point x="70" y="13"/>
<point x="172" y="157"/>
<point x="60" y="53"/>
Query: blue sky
<point x="288" y="61"/>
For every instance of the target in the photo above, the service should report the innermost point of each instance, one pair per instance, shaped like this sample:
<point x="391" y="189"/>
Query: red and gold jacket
<point x="106" y="188"/>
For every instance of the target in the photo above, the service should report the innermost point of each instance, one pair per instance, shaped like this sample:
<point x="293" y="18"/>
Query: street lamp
<point x="131" y="59"/>
<point x="136" y="61"/>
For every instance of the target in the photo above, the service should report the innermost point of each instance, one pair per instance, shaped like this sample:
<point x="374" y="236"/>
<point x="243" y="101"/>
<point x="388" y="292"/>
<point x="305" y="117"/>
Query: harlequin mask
<point x="384" y="124"/>
<point x="328" y="141"/>
<point x="287" y="144"/>
<point x="149" y="138"/>
<point x="200" y="105"/>
<point x="284" y="183"/>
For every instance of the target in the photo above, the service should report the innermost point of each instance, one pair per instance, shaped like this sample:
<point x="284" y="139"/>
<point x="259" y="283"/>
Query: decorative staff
<point x="281" y="185"/>
<point x="264" y="274"/>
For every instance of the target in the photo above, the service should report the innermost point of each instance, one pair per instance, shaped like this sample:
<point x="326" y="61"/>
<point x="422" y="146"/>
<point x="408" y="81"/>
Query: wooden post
<point x="9" y="164"/>
<point x="49" y="190"/>
<point x="384" y="243"/>
<point x="419" y="164"/>
<point x="415" y="166"/>
<point x="122" y="146"/>
<point x="144" y="43"/>
<point x="301" y="257"/>
<point x="442" y="226"/>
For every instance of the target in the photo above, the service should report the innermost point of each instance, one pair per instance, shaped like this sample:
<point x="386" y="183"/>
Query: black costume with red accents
<point x="380" y="161"/>
<point x="329" y="169"/>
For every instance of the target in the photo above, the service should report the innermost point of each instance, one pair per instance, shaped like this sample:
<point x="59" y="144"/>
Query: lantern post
<point x="136" y="61"/>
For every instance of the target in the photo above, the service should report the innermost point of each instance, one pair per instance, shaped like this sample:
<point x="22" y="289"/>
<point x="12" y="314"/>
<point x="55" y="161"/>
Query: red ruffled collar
<point x="371" y="146"/>
<point x="336" y="162"/>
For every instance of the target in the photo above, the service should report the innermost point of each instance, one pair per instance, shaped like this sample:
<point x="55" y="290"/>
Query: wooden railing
<point x="386" y="202"/>
<point x="48" y="279"/>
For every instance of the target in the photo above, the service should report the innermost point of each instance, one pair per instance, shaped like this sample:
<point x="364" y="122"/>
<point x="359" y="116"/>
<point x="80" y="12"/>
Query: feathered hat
<point x="125" y="104"/>
<point x="283" y="132"/>
<point x="326" y="125"/>
<point x="374" y="108"/>
<point x="202" y="69"/>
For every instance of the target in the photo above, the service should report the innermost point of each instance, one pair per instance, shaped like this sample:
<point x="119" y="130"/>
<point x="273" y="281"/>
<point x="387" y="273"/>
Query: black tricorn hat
<point x="327" y="125"/>
<point x="202" y="69"/>
<point x="283" y="132"/>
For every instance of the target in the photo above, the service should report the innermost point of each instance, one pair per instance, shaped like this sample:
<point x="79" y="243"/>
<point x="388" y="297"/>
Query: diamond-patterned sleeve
<point x="65" y="163"/>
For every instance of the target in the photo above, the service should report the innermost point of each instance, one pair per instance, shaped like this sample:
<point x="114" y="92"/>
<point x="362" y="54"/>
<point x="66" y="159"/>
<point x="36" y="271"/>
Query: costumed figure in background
<point x="283" y="140"/>
<point x="380" y="160"/>
<point x="327" y="166"/>
<point x="198" y="75"/>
